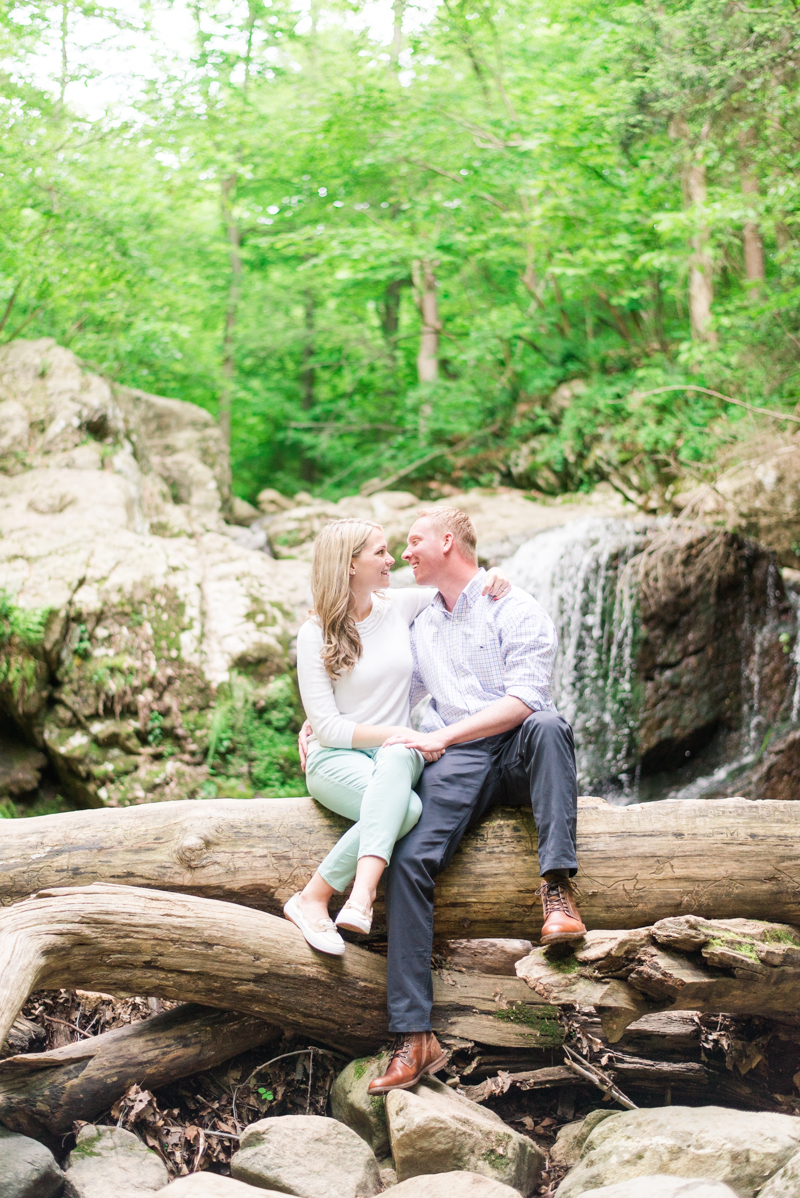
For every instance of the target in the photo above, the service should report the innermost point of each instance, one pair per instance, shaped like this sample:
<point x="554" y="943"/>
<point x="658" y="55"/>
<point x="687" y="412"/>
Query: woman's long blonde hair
<point x="334" y="549"/>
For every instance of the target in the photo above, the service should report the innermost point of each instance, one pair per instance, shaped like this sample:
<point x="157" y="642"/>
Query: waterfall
<point x="577" y="573"/>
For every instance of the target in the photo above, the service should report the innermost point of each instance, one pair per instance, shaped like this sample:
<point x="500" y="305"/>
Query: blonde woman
<point x="354" y="667"/>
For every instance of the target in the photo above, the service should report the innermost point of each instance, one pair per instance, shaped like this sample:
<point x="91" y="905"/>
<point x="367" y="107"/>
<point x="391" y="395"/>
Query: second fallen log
<point x="126" y="940"/>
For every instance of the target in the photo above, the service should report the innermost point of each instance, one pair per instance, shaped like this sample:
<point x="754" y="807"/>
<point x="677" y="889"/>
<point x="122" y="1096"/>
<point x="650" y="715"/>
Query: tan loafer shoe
<point x="414" y="1054"/>
<point x="355" y="917"/>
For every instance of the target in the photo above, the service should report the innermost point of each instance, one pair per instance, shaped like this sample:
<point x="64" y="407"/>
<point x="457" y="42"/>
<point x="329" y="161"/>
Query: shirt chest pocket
<point x="480" y="656"/>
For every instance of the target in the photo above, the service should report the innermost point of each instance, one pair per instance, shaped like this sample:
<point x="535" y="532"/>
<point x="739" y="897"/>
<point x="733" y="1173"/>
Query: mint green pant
<point x="374" y="787"/>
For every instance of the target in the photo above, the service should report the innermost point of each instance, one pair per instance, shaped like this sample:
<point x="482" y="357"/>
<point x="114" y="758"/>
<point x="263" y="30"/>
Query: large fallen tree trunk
<point x="126" y="940"/>
<point x="43" y="1093"/>
<point x="639" y="864"/>
<point x="734" y="966"/>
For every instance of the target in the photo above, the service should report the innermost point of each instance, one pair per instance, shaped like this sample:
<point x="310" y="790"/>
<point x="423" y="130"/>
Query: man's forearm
<point x="500" y="716"/>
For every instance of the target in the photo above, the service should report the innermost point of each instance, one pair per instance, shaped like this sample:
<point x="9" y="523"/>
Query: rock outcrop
<point x="306" y="1155"/>
<point x="125" y="602"/>
<point x="741" y="1149"/>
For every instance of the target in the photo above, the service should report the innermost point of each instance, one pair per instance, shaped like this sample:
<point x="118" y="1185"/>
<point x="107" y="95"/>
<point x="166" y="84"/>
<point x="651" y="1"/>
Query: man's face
<point x="426" y="552"/>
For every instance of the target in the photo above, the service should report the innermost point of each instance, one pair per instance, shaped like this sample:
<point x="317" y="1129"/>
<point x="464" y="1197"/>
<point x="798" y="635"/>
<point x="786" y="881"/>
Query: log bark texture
<point x="637" y="865"/>
<point x="43" y="1093"/>
<point x="734" y="966"/>
<point x="125" y="940"/>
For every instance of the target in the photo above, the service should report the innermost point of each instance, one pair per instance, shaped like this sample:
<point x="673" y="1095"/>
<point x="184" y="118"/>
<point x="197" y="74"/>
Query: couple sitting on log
<point x="483" y="651"/>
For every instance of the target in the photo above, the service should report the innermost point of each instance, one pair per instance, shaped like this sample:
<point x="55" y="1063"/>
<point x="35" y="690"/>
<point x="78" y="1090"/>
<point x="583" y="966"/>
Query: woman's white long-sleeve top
<point x="376" y="690"/>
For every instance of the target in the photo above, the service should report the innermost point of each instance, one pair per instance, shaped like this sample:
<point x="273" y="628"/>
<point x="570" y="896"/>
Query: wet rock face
<point x="668" y="635"/>
<point x="128" y="611"/>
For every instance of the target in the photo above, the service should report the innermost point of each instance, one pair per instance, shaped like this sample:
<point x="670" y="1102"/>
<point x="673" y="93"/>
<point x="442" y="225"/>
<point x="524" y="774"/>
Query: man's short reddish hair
<point x="452" y="520"/>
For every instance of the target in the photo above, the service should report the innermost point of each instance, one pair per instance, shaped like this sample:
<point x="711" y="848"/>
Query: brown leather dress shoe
<point x="562" y="921"/>
<point x="414" y="1054"/>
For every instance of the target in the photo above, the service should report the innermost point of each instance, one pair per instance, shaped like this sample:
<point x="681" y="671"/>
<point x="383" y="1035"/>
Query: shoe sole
<point x="353" y="927"/>
<point x="563" y="937"/>
<point x="306" y="936"/>
<point x="433" y="1068"/>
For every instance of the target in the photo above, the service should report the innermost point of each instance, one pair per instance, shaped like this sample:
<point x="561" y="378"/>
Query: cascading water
<point x="578" y="574"/>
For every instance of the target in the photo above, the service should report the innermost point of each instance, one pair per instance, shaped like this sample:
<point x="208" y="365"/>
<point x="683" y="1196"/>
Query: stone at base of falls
<point x="743" y="1149"/>
<point x="460" y="1184"/>
<point x="109" y="1160"/>
<point x="435" y="1130"/>
<point x="27" y="1168"/>
<point x="306" y="1155"/>
<point x="363" y="1112"/>
<point x="571" y="1138"/>
<point x="662" y="1186"/>
<point x="211" y="1185"/>
<point x="786" y="1182"/>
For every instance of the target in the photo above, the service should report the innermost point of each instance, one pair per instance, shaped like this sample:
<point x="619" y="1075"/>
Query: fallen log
<point x="717" y="858"/>
<point x="43" y="1093"/>
<point x="126" y="940"/>
<point x="734" y="966"/>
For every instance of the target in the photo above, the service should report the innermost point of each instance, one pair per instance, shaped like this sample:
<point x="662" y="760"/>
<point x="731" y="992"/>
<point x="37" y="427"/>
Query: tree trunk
<point x="638" y="864"/>
<point x="428" y="356"/>
<point x="232" y="311"/>
<point x="398" y="12"/>
<point x="701" y="286"/>
<point x="753" y="245"/>
<point x="125" y="940"/>
<point x="389" y="311"/>
<point x="307" y="380"/>
<point x="42" y="1094"/>
<point x="736" y="967"/>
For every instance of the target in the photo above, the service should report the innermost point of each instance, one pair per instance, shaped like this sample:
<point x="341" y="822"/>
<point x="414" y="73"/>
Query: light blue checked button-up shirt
<point x="481" y="651"/>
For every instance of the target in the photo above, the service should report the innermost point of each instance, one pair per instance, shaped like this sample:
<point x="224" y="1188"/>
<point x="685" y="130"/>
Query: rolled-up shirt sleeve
<point x="528" y="650"/>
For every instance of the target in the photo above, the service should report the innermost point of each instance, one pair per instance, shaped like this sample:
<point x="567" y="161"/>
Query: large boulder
<point x="110" y="1160"/>
<point x="306" y="1155"/>
<point x="127" y="608"/>
<point x="664" y="1187"/>
<point x="743" y="1149"/>
<point x="363" y="1112"/>
<point x="27" y="1168"/>
<point x="211" y="1185"/>
<point x="572" y="1137"/>
<point x="460" y="1184"/>
<point x="435" y="1130"/>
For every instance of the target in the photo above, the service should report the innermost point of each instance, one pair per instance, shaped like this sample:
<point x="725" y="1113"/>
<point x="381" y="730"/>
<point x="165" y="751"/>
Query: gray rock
<point x="662" y="1186"/>
<point x="109" y="1160"/>
<point x="27" y="1168"/>
<point x="786" y="1182"/>
<point x="571" y="1138"/>
<point x="307" y="1155"/>
<point x="741" y="1148"/>
<point x="363" y="1112"/>
<point x="435" y="1130"/>
<point x="461" y="1184"/>
<point x="211" y="1185"/>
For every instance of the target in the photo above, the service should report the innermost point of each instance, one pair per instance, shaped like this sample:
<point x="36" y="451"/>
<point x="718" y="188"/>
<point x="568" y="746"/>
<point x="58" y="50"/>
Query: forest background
<point x="470" y="243"/>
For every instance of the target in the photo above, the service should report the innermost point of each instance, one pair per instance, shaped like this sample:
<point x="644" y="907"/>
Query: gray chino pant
<point x="534" y="763"/>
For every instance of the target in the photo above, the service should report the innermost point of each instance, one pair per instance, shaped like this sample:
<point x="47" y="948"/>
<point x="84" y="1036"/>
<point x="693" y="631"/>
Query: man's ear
<point x="447" y="542"/>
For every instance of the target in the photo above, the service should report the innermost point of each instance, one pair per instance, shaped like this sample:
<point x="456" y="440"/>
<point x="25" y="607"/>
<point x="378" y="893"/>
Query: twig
<point x="740" y="403"/>
<point x="583" y="1068"/>
<point x="55" y="1019"/>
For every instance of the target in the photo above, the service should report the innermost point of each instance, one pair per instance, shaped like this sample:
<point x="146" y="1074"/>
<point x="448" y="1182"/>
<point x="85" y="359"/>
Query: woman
<point x="354" y="666"/>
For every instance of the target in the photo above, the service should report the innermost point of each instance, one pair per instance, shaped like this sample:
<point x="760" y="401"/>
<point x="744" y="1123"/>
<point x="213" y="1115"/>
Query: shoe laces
<point x="556" y="897"/>
<point x="402" y="1050"/>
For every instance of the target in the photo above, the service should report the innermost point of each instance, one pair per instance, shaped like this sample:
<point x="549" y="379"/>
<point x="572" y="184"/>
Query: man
<point x="487" y="666"/>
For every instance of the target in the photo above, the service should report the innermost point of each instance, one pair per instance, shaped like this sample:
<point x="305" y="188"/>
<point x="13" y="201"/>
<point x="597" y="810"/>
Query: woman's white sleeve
<point x="410" y="601"/>
<point x="331" y="728"/>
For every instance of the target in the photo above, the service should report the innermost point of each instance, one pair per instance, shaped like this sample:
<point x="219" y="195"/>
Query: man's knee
<point x="545" y="728"/>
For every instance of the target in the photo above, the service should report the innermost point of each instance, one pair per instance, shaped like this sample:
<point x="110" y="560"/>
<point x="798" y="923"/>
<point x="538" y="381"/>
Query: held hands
<point x="430" y="744"/>
<point x="496" y="584"/>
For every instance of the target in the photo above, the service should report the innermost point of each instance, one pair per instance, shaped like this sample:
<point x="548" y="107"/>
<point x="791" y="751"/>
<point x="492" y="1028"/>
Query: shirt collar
<point x="468" y="597"/>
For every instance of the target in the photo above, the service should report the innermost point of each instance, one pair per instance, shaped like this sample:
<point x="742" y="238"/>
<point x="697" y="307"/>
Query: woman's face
<point x="370" y="570"/>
